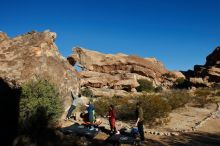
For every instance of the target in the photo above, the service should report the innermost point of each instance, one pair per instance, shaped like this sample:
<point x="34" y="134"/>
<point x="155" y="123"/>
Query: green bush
<point x="178" y="98"/>
<point x="37" y="95"/>
<point x="123" y="107"/>
<point x="101" y="106"/>
<point x="87" y="92"/>
<point x="145" y="85"/>
<point x="154" y="106"/>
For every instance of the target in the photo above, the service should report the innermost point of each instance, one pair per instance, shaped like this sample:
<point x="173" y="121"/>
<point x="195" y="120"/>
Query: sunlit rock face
<point x="119" y="71"/>
<point x="35" y="55"/>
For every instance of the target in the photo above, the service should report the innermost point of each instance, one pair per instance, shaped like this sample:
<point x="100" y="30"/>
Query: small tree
<point x="37" y="95"/>
<point x="145" y="85"/>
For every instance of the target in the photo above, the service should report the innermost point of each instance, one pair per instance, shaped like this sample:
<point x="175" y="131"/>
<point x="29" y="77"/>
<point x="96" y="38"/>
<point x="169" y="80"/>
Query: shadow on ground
<point x="188" y="139"/>
<point x="193" y="139"/>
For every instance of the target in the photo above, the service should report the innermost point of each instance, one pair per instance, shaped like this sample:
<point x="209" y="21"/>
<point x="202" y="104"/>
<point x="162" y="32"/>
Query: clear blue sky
<point x="180" y="33"/>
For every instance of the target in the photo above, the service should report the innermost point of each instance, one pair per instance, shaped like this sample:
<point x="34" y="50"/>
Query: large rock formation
<point x="35" y="55"/>
<point x="208" y="74"/>
<point x="119" y="71"/>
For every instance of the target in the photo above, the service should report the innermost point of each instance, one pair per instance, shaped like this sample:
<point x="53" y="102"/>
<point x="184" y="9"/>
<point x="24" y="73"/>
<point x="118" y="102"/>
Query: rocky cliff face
<point x="207" y="74"/>
<point x="119" y="71"/>
<point x="35" y="55"/>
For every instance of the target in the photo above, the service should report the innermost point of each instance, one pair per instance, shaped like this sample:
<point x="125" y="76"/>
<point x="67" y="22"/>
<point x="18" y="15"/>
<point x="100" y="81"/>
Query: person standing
<point x="90" y="110"/>
<point x="75" y="102"/>
<point x="112" y="118"/>
<point x="140" y="120"/>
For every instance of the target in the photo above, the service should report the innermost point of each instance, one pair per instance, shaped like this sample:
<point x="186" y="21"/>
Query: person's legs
<point x="141" y="130"/>
<point x="91" y="117"/>
<point x="110" y="125"/>
<point x="72" y="107"/>
<point x="91" y="121"/>
<point x="113" y="125"/>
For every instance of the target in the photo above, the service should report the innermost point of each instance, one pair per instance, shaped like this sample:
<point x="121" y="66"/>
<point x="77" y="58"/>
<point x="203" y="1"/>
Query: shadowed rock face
<point x="9" y="109"/>
<point x="118" y="71"/>
<point x="208" y="74"/>
<point x="35" y="55"/>
<point x="213" y="59"/>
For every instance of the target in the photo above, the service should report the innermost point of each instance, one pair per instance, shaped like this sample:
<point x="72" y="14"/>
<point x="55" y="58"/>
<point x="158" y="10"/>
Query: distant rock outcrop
<point x="35" y="55"/>
<point x="208" y="74"/>
<point x="119" y="71"/>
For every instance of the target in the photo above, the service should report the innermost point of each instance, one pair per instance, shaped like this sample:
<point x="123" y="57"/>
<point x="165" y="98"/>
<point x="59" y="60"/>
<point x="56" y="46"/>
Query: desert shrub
<point x="178" y="98"/>
<point x="202" y="92"/>
<point x="124" y="109"/>
<point x="201" y="101"/>
<point x="203" y="96"/>
<point x="181" y="83"/>
<point x="154" y="106"/>
<point x="101" y="106"/>
<point x="145" y="85"/>
<point x="126" y="112"/>
<point x="37" y="95"/>
<point x="87" y="92"/>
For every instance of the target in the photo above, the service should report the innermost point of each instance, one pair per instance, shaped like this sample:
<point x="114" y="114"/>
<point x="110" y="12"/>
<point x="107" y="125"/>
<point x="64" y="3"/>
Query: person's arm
<point x="138" y="119"/>
<point x="140" y="114"/>
<point x="107" y="115"/>
<point x="73" y="95"/>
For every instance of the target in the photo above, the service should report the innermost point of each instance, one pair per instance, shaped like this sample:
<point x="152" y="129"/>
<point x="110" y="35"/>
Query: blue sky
<point x="180" y="33"/>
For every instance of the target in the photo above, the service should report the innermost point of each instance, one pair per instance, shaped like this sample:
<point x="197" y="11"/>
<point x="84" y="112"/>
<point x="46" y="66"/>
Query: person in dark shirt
<point x="112" y="118"/>
<point x="90" y="111"/>
<point x="140" y="120"/>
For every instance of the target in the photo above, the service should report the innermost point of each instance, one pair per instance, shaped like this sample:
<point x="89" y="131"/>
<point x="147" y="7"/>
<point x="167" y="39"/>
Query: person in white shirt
<point x="75" y="102"/>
